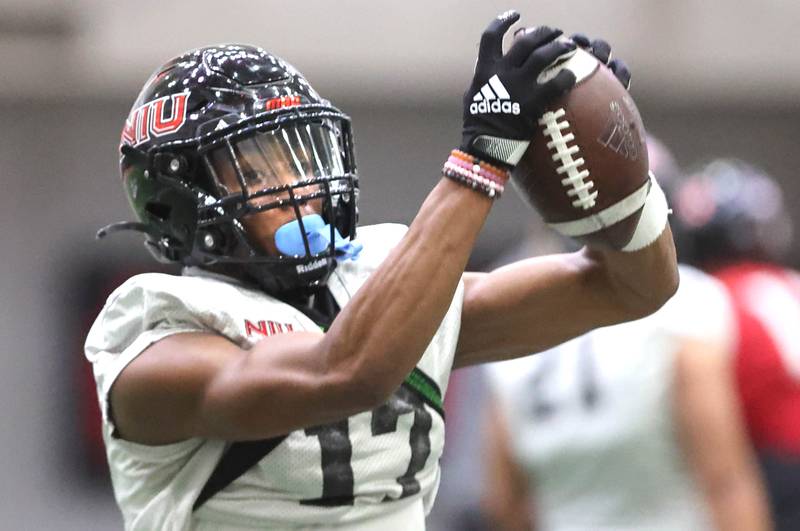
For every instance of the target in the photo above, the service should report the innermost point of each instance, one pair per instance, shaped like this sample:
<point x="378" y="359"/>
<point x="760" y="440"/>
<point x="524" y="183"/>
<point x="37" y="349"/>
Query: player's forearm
<point x="640" y="282"/>
<point x="534" y="304"/>
<point x="380" y="336"/>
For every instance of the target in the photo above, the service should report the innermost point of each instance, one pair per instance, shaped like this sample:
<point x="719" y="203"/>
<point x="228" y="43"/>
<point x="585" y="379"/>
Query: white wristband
<point x="653" y="220"/>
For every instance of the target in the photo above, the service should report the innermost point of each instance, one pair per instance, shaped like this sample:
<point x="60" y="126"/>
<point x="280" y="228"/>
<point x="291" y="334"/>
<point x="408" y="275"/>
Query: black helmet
<point x="225" y="106"/>
<point x="729" y="211"/>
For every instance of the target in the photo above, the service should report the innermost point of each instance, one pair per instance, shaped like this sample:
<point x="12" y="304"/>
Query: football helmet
<point x="225" y="132"/>
<point x="728" y="211"/>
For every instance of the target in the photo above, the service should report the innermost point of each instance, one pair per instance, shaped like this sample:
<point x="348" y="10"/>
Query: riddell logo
<point x="493" y="98"/>
<point x="306" y="268"/>
<point x="282" y="102"/>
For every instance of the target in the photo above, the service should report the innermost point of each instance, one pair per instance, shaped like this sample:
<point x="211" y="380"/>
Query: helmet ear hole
<point x="172" y="164"/>
<point x="211" y="240"/>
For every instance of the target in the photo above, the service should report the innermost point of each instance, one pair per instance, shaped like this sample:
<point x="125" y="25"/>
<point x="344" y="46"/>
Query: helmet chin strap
<point x="289" y="239"/>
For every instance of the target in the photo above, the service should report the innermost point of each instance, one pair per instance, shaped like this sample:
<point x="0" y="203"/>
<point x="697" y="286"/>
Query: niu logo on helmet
<point x="151" y="119"/>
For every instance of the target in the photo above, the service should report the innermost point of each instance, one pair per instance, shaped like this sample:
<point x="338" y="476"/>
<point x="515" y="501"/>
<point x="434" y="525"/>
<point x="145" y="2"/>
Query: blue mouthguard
<point x="289" y="239"/>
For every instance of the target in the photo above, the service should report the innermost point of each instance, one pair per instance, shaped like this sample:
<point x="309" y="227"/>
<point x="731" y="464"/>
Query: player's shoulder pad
<point x="378" y="240"/>
<point x="700" y="309"/>
<point x="696" y="287"/>
<point x="184" y="287"/>
<point x="382" y="234"/>
<point x="151" y="300"/>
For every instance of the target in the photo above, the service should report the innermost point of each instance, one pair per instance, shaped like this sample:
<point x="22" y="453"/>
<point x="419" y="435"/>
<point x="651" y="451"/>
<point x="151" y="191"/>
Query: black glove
<point x="602" y="51"/>
<point x="505" y="100"/>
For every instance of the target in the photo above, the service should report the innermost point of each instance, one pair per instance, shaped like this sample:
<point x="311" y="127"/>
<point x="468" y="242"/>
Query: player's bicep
<point x="155" y="399"/>
<point x="197" y="384"/>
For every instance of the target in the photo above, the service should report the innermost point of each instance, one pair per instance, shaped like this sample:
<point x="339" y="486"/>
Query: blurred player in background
<point x="731" y="220"/>
<point x="629" y="427"/>
<point x="293" y="377"/>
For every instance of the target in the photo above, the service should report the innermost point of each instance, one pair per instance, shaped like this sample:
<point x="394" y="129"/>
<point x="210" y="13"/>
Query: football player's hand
<point x="505" y="100"/>
<point x="602" y="51"/>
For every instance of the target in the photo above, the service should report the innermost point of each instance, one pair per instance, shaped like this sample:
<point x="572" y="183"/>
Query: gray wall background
<point x="710" y="79"/>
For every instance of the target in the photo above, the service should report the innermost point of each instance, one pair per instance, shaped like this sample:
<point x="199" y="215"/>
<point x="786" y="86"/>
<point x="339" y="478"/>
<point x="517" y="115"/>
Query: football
<point x="586" y="170"/>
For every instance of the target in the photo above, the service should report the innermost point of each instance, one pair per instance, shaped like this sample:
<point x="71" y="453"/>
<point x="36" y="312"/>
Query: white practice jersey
<point x="591" y="421"/>
<point x="375" y="470"/>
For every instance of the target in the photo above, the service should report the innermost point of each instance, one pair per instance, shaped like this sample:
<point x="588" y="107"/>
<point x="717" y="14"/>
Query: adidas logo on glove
<point x="493" y="98"/>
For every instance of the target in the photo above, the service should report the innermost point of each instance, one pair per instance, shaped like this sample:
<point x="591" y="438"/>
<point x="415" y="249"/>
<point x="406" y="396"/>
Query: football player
<point x="293" y="376"/>
<point x="733" y="222"/>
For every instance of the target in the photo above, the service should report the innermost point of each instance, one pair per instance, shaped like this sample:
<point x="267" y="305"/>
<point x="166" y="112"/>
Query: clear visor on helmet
<point x="293" y="177"/>
<point x="268" y="162"/>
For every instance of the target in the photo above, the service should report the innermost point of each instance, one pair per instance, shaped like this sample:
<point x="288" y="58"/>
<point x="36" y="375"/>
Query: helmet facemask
<point x="286" y="203"/>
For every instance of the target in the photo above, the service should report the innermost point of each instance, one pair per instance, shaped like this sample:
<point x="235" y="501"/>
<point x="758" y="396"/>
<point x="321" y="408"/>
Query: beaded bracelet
<point x="473" y="180"/>
<point x="477" y="169"/>
<point x="475" y="173"/>
<point x="493" y="172"/>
